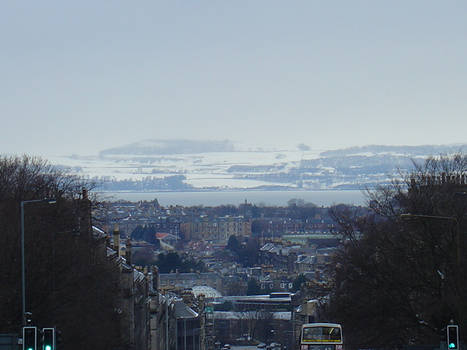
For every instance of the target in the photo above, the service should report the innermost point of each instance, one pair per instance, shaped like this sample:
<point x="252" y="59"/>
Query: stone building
<point x="217" y="229"/>
<point x="133" y="297"/>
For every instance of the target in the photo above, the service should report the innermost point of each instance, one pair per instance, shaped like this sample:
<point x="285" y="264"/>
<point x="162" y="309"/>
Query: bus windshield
<point x="322" y="334"/>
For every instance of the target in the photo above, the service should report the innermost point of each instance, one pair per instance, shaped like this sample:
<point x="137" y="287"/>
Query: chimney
<point x="128" y="252"/>
<point x="84" y="216"/>
<point x="116" y="235"/>
<point x="108" y="242"/>
<point x="155" y="278"/>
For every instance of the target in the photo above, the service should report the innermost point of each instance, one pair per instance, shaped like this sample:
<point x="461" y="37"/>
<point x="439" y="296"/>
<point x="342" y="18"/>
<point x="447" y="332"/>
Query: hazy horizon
<point x="82" y="77"/>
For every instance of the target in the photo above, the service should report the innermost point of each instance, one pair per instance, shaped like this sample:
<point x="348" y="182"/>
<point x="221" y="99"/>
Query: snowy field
<point x="225" y="170"/>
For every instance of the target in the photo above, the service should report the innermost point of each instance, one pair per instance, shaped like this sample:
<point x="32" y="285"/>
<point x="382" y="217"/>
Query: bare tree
<point x="399" y="275"/>
<point x="70" y="283"/>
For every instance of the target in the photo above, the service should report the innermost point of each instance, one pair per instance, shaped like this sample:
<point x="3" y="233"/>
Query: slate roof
<point x="208" y="292"/>
<point x="183" y="311"/>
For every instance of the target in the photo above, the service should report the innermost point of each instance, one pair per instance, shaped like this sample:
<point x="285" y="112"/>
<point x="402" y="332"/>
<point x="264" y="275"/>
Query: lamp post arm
<point x="436" y="217"/>
<point x="414" y="216"/>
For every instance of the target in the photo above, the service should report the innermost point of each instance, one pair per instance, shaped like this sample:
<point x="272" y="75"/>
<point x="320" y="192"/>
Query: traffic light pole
<point x="23" y="273"/>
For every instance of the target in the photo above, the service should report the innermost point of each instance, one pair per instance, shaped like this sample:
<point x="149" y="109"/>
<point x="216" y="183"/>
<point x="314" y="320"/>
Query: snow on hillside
<point x="248" y="167"/>
<point x="216" y="169"/>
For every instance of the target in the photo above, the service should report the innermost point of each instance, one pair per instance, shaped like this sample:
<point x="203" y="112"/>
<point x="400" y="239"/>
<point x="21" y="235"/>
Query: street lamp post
<point x="410" y="216"/>
<point x="23" y="266"/>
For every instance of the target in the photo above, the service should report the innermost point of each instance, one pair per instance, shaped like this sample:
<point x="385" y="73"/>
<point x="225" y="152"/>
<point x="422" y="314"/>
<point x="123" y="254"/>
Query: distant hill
<point x="167" y="147"/>
<point x="411" y="151"/>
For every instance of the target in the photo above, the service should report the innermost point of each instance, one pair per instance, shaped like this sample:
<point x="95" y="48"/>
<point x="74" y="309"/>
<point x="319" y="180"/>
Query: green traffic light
<point x="48" y="347"/>
<point x="452" y="346"/>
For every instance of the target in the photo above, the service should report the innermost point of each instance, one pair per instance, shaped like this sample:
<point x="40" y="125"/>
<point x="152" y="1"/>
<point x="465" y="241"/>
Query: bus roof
<point x="322" y="324"/>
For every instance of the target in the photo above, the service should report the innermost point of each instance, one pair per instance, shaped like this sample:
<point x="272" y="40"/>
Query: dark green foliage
<point x="304" y="211"/>
<point x="146" y="233"/>
<point x="223" y="210"/>
<point x="260" y="228"/>
<point x="245" y="253"/>
<point x="172" y="262"/>
<point x="233" y="244"/>
<point x="250" y="255"/>
<point x="144" y="257"/>
<point x="257" y="228"/>
<point x="297" y="283"/>
<point x="253" y="288"/>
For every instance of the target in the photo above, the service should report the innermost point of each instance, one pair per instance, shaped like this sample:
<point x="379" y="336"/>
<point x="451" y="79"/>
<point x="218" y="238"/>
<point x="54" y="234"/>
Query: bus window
<point x="321" y="336"/>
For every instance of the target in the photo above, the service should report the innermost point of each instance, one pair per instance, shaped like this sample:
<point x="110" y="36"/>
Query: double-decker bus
<point x="321" y="336"/>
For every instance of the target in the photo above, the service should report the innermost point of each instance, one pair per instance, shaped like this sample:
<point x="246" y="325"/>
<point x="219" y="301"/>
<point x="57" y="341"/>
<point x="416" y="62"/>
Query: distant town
<point x="247" y="261"/>
<point x="80" y="269"/>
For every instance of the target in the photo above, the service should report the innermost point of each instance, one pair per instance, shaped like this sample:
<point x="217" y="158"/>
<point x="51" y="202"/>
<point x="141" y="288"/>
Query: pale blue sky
<point x="81" y="76"/>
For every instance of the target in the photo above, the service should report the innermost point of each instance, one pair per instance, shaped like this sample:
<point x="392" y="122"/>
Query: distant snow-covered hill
<point x="181" y="165"/>
<point x="164" y="147"/>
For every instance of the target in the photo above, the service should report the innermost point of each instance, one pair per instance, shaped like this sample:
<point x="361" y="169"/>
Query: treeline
<point x="296" y="208"/>
<point x="173" y="262"/>
<point x="147" y="184"/>
<point x="167" y="262"/>
<point x="411" y="150"/>
<point x="146" y="233"/>
<point x="246" y="252"/>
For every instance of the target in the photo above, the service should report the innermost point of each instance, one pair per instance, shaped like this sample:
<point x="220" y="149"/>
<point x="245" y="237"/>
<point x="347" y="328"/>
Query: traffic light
<point x="48" y="338"/>
<point x="30" y="338"/>
<point x="453" y="337"/>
